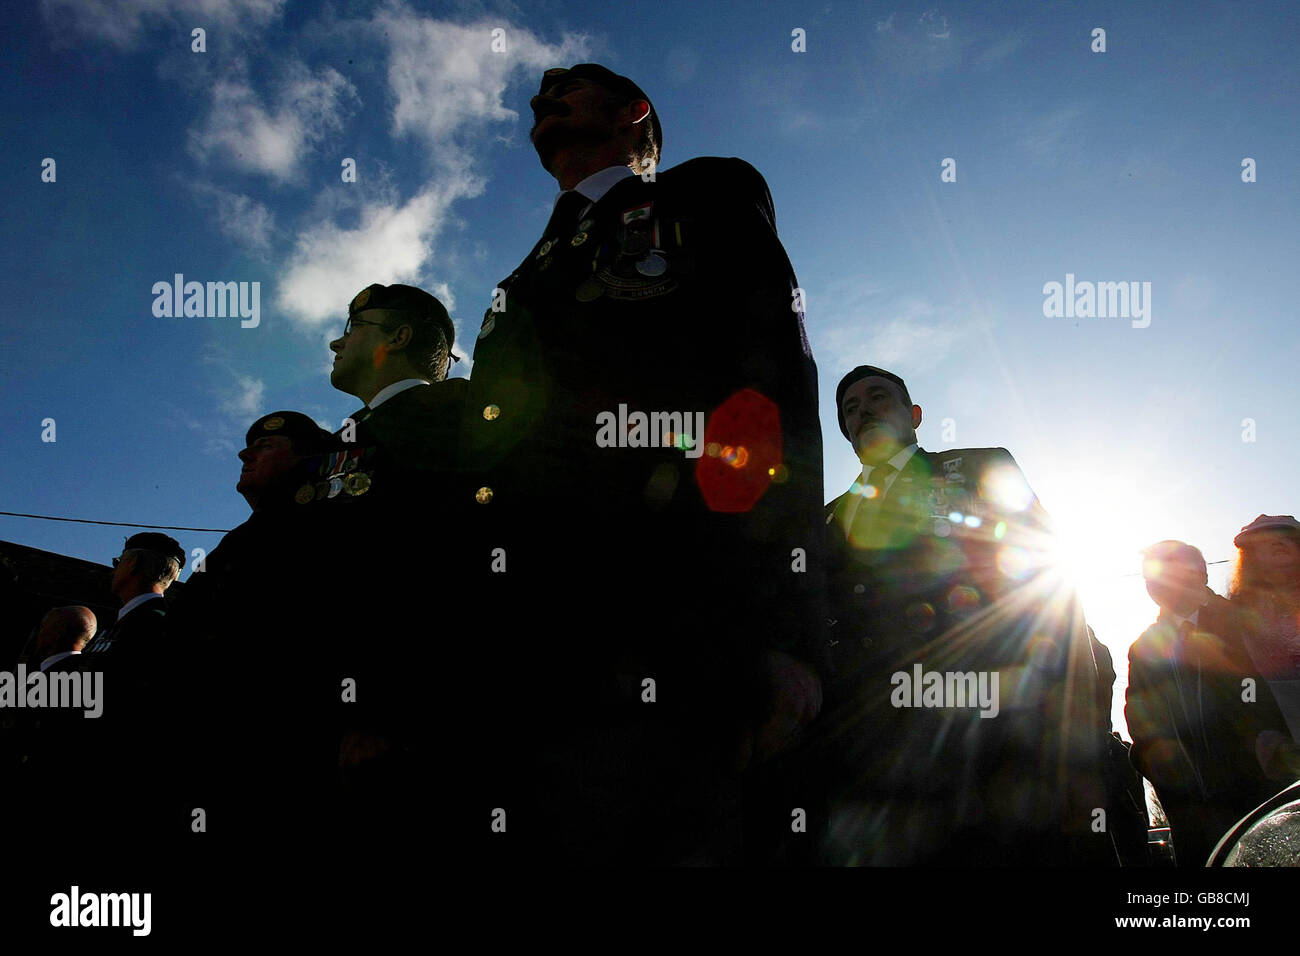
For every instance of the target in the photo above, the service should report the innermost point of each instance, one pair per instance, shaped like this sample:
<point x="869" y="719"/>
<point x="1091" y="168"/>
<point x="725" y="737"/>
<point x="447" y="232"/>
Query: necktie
<point x="879" y="478"/>
<point x="565" y="215"/>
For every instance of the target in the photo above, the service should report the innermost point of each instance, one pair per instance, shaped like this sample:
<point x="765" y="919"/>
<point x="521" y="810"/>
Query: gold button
<point x="483" y="495"/>
<point x="491" y="412"/>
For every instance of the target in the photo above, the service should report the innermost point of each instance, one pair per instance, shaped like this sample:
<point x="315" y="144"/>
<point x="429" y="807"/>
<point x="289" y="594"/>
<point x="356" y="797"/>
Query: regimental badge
<point x="357" y="483"/>
<point x="305" y="495"/>
<point x="586" y="224"/>
<point x="544" y="264"/>
<point x="546" y="247"/>
<point x="272" y="423"/>
<point x="579" y="239"/>
<point x="362" y="298"/>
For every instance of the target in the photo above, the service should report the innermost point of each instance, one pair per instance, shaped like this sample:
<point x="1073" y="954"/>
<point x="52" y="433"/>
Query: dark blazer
<point x="417" y="427"/>
<point x="1193" y="735"/>
<point x="655" y="564"/>
<point x="946" y="571"/>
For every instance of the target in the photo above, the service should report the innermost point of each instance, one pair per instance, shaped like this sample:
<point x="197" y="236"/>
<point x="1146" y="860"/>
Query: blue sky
<point x="1122" y="166"/>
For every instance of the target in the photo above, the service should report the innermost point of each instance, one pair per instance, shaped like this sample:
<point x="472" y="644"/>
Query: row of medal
<point x="638" y="240"/>
<point x="343" y="478"/>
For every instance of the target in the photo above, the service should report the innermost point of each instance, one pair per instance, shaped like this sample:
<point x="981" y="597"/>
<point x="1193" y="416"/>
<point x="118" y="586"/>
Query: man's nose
<point x="245" y="455"/>
<point x="337" y="344"/>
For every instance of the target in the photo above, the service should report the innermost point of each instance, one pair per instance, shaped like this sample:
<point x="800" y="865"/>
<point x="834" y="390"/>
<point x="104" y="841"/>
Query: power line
<point x="119" y="524"/>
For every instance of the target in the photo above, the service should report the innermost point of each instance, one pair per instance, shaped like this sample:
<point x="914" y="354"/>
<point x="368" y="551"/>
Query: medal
<point x="635" y="242"/>
<point x="590" y="290"/>
<point x="322" y="490"/>
<point x="335" y="486"/>
<point x="652" y="265"/>
<point x="357" y="483"/>
<point x="305" y="494"/>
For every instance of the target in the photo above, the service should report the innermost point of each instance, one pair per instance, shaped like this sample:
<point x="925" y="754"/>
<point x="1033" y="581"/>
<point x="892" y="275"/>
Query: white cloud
<point x="448" y="89"/>
<point x="247" y="397"/>
<point x="446" y="81"/>
<point x="330" y="263"/>
<point x="122" y="23"/>
<point x="242" y="130"/>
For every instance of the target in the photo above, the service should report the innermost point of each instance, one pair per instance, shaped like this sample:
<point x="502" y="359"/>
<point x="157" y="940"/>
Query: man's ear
<point x="639" y="110"/>
<point x="400" y="338"/>
<point x="916" y="417"/>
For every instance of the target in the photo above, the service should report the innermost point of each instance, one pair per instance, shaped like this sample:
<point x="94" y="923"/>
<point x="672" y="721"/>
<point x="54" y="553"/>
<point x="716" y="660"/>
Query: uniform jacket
<point x="947" y="571"/>
<point x="1193" y="735"/>
<point x="618" y="556"/>
<point x="582" y="333"/>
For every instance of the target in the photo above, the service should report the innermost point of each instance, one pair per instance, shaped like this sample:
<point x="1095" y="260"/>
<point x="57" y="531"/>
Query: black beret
<point x="308" y="437"/>
<point x="610" y="81"/>
<point x="861" y="372"/>
<point x="162" y="544"/>
<point x="404" y="298"/>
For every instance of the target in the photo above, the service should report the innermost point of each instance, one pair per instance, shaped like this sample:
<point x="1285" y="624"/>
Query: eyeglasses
<point x="347" y="326"/>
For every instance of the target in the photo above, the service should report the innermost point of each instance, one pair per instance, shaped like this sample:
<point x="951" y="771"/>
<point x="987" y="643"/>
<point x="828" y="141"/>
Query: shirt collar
<point x="54" y="659"/>
<point x="900" y="459"/>
<point x="388" y="391"/>
<point x="597" y="184"/>
<point x="135" y="602"/>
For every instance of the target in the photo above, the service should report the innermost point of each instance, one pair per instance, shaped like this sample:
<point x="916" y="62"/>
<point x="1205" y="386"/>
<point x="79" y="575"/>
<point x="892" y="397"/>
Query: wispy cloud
<point x="240" y="217"/>
<point x="245" y="397"/>
<point x="863" y="326"/>
<point x="448" y="90"/>
<point x="271" y="140"/>
<point x="122" y="23"/>
<point x="1046" y="137"/>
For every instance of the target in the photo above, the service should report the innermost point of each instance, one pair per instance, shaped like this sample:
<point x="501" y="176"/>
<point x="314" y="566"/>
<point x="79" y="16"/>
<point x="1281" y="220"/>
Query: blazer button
<point x="491" y="412"/>
<point x="483" y="495"/>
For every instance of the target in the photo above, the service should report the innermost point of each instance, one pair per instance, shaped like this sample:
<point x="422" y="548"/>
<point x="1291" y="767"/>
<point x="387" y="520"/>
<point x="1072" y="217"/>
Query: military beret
<point x="308" y="437"/>
<point x="404" y="298"/>
<point x="162" y="544"/>
<point x="861" y="372"/>
<point x="610" y="81"/>
<point x="1267" y="523"/>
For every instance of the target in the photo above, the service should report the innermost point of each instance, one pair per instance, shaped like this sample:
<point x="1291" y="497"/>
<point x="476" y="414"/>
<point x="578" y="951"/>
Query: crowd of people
<point x="475" y="609"/>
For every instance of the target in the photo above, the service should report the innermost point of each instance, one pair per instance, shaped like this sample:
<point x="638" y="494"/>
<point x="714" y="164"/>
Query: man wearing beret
<point x="394" y="355"/>
<point x="937" y="563"/>
<point x="640" y="492"/>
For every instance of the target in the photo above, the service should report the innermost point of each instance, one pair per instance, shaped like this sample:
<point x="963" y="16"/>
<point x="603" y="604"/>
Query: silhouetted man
<point x="643" y="461"/>
<point x="1193" y="726"/>
<point x="963" y="671"/>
